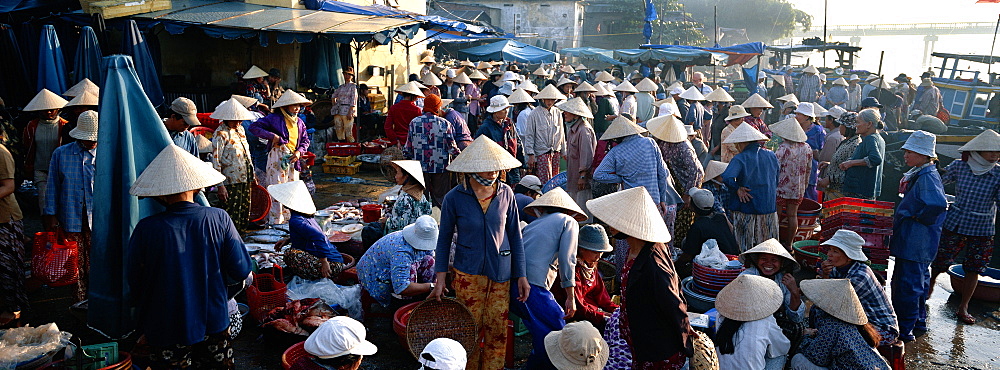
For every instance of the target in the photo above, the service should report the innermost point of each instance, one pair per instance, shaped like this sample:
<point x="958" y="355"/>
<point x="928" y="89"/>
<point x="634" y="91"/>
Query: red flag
<point x="988" y="1"/>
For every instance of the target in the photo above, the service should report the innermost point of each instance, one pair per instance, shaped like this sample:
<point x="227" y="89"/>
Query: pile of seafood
<point x="299" y="317"/>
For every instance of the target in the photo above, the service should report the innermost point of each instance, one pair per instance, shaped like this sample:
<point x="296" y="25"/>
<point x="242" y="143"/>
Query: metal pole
<point x="715" y="20"/>
<point x="989" y="68"/>
<point x="825" y="2"/>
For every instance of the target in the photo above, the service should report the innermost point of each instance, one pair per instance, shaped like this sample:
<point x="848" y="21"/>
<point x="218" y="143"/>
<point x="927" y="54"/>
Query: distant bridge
<point x="919" y="29"/>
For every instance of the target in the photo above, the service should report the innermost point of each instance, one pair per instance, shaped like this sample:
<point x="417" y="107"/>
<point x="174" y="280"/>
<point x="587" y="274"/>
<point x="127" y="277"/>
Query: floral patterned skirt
<point x="279" y="171"/>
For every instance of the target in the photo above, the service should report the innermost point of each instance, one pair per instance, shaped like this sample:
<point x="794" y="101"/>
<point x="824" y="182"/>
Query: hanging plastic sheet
<point x="51" y="63"/>
<point x="750" y="78"/>
<point x="321" y="65"/>
<point x="87" y="62"/>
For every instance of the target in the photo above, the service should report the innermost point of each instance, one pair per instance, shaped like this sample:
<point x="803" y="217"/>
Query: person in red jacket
<point x="593" y="303"/>
<point x="397" y="122"/>
<point x="42" y="136"/>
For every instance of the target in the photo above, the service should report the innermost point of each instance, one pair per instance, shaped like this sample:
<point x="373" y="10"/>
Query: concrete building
<point x="557" y="20"/>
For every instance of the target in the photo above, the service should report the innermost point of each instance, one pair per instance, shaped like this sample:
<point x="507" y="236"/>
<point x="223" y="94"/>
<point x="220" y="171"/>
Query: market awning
<point x="509" y="51"/>
<point x="737" y="54"/>
<point x="669" y="55"/>
<point x="438" y="28"/>
<point x="592" y="53"/>
<point x="986" y="59"/>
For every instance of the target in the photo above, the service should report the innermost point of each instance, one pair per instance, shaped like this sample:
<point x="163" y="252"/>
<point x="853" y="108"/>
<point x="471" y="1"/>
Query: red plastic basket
<point x="293" y="354"/>
<point x="858" y="202"/>
<point x="207" y="121"/>
<point x="54" y="263"/>
<point x="267" y="292"/>
<point x="875" y="238"/>
<point x="310" y="158"/>
<point x="343" y="149"/>
<point x="260" y="203"/>
<point x="857" y="219"/>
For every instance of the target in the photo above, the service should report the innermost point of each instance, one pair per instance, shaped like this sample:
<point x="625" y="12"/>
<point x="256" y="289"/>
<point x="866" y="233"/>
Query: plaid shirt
<point x="976" y="197"/>
<point x="431" y="140"/>
<point x="70" y="194"/>
<point x="871" y="294"/>
<point x="637" y="162"/>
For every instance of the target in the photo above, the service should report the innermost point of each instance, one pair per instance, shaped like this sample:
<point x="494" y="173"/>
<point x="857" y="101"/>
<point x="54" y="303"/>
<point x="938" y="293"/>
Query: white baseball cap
<point x="443" y="354"/>
<point x="337" y="337"/>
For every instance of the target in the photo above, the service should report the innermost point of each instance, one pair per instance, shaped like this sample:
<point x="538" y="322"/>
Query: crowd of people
<point x="539" y="177"/>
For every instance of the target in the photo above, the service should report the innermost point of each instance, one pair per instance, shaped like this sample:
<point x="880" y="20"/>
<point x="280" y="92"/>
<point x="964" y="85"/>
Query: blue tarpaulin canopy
<point x="509" y="51"/>
<point x="592" y="53"/>
<point x="51" y="64"/>
<point x="15" y="84"/>
<point x="737" y="54"/>
<point x="668" y="55"/>
<point x="438" y="28"/>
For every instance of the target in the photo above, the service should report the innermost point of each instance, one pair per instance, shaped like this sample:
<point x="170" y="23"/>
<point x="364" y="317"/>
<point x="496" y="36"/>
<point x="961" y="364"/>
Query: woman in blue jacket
<point x="916" y="232"/>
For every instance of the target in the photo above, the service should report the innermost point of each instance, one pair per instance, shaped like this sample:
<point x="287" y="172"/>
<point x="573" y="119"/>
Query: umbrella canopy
<point x="87" y="62"/>
<point x="592" y="53"/>
<point x="134" y="45"/>
<point x="679" y="55"/>
<point x="15" y="87"/>
<point x="510" y="51"/>
<point x="130" y="135"/>
<point x="51" y="65"/>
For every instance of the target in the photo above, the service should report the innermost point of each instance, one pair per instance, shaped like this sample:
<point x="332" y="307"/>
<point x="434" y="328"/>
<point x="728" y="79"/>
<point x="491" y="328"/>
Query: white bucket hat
<point x="431" y="79"/>
<point x="556" y="198"/>
<point x="498" y="103"/>
<point x="290" y="97"/>
<point x="855" y="78"/>
<point x="422" y="234"/>
<point x="175" y="171"/>
<point x="667" y="128"/>
<point x="245" y="100"/>
<point x="987" y="141"/>
<point x="450" y="73"/>
<point x="483" y="155"/>
<point x="749" y="298"/>
<point x="86" y="127"/>
<point x="836" y="297"/>
<point x="593" y="238"/>
<point x="232" y="110"/>
<point x="744" y="133"/>
<point x="668" y="108"/>
<point x="410" y="88"/>
<point x="507" y="88"/>
<point x="756" y="101"/>
<point x="550" y="92"/>
<point x="692" y="93"/>
<point x="789" y="129"/>
<point x="294" y="195"/>
<point x="719" y="95"/>
<point x="88" y="98"/>
<point x="632" y="212"/>
<point x="254" y="72"/>
<point x="737" y="111"/>
<point x="585" y="87"/>
<point x="626" y="86"/>
<point x="921" y="142"/>
<point x="443" y="354"/>
<point x="714" y="168"/>
<point x="578" y="345"/>
<point x="413" y="168"/>
<point x="509" y="76"/>
<point x="806" y="108"/>
<point x="810" y="69"/>
<point x="463" y="79"/>
<point x="45" y="100"/>
<point x="576" y="106"/>
<point x="528" y="86"/>
<point x="849" y="242"/>
<point x="85" y="85"/>
<point x="622" y="127"/>
<point x="520" y="96"/>
<point x="646" y="85"/>
<point x="604" y="76"/>
<point x="339" y="336"/>
<point x="770" y="246"/>
<point x="840" y="81"/>
<point x="836" y="111"/>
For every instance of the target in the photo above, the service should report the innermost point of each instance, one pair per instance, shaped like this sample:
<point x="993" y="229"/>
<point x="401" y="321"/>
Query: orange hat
<point x="432" y="103"/>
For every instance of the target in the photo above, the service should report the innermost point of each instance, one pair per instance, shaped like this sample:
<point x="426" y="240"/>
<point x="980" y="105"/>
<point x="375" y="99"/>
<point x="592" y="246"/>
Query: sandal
<point x="965" y="318"/>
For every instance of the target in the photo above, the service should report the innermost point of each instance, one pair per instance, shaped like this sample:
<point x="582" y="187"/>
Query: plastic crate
<point x="339" y="161"/>
<point x="857" y="219"/>
<point x="350" y="169"/>
<point x="858" y="202"/>
<point x="827" y="212"/>
<point x="343" y="149"/>
<point x="875" y="238"/>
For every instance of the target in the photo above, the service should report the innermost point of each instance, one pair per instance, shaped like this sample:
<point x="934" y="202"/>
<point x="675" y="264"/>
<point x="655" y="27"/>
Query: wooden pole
<point x="880" y="59"/>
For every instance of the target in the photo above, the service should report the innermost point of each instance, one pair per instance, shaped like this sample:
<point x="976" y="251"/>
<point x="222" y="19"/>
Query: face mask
<point x="482" y="180"/>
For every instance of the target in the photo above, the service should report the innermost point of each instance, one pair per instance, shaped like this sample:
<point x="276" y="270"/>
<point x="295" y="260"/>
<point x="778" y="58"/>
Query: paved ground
<point x="946" y="345"/>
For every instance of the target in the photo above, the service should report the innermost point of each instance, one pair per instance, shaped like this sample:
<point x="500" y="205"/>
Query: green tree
<point x="764" y="20"/>
<point x="673" y="25"/>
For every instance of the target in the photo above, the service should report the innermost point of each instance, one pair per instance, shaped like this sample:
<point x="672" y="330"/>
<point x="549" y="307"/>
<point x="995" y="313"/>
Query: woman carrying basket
<point x="288" y="141"/>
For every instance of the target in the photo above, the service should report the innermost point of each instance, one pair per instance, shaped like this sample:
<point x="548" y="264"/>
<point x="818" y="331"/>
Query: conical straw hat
<point x="83" y="86"/>
<point x="87" y="98"/>
<point x="410" y="88"/>
<point x="204" y="145"/>
<point x="253" y="73"/>
<point x="462" y="78"/>
<point x="528" y="86"/>
<point x="789" y="97"/>
<point x="413" y="168"/>
<point x="294" y="195"/>
<point x="484" y="65"/>
<point x="576" y="106"/>
<point x="476" y="75"/>
<point x="714" y="169"/>
<point x="840" y="81"/>
<point x="621" y="127"/>
<point x="550" y="92"/>
<point x="632" y="212"/>
<point x="231" y="110"/>
<point x="667" y="128"/>
<point x="567" y="69"/>
<point x="564" y="80"/>
<point x="540" y="71"/>
<point x="604" y="76"/>
<point x="779" y="79"/>
<point x="245" y="100"/>
<point x="483" y="155"/>
<point x="585" y="87"/>
<point x="749" y="298"/>
<point x="692" y="93"/>
<point x="744" y="133"/>
<point x="45" y="100"/>
<point x="290" y="97"/>
<point x="646" y="85"/>
<point x="770" y="246"/>
<point x="467" y="63"/>
<point x="175" y="171"/>
<point x="431" y="79"/>
<point x="86" y="126"/>
<point x="883" y="84"/>
<point x="602" y="90"/>
<point x="756" y="101"/>
<point x="988" y="141"/>
<point x="520" y="96"/>
<point x="837" y="297"/>
<point x="428" y="59"/>
<point x="810" y="69"/>
<point x="676" y="85"/>
<point x="719" y="95"/>
<point x="581" y="67"/>
<point x="626" y="86"/>
<point x="789" y="129"/>
<point x="818" y="110"/>
<point x="557" y="198"/>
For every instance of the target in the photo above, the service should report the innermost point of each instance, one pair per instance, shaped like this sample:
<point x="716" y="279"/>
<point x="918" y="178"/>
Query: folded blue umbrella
<point x="134" y="45"/>
<point x="15" y="82"/>
<point x="87" y="62"/>
<point x="51" y="64"/>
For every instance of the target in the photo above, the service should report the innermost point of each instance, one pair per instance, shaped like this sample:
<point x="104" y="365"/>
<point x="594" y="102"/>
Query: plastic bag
<point x="711" y="256"/>
<point x="54" y="263"/>
<point x="19" y="345"/>
<point x="348" y="297"/>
